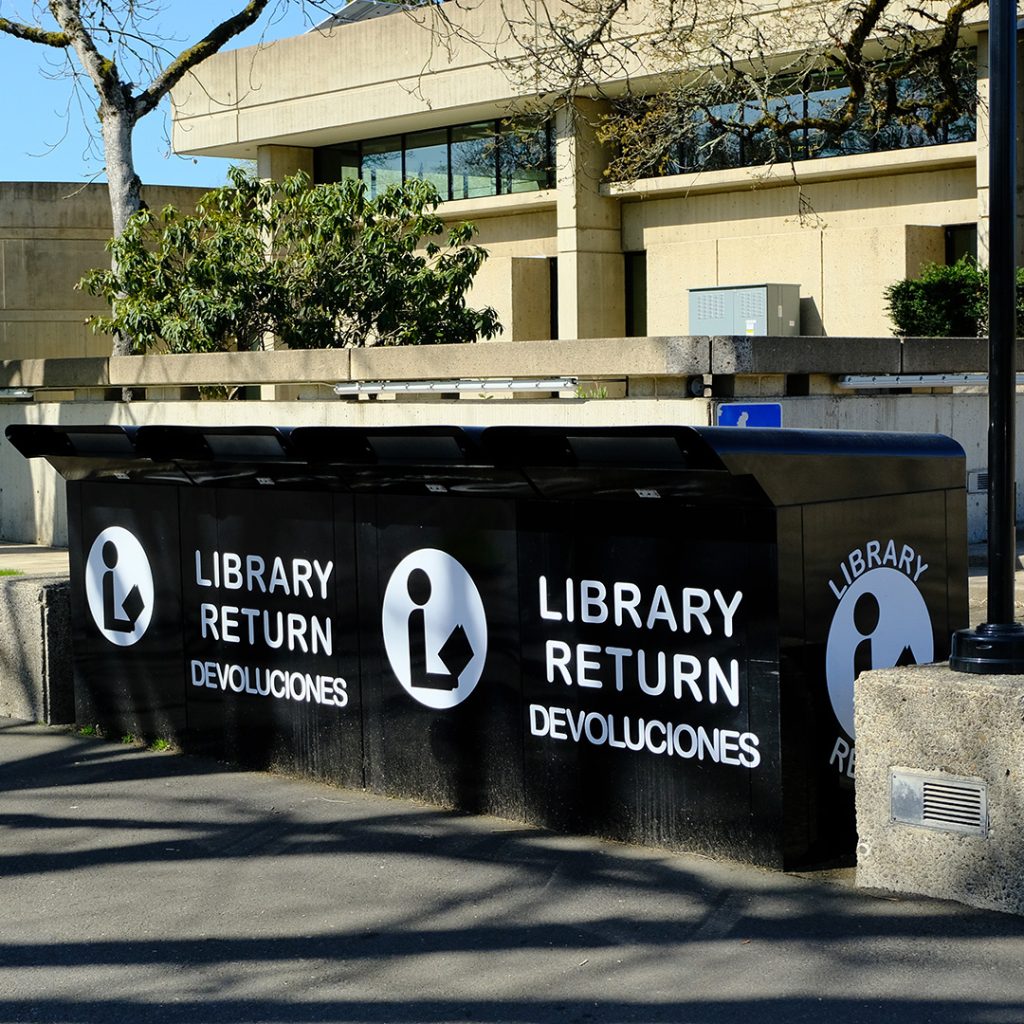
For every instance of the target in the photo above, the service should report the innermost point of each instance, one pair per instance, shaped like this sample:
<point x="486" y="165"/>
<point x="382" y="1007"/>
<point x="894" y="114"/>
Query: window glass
<point x="827" y="103"/>
<point x="382" y="164"/>
<point x="336" y="163"/>
<point x="426" y="157"/>
<point x="766" y="147"/>
<point x="474" y="161"/>
<point x="524" y="157"/>
<point x="961" y="241"/>
<point x="706" y="148"/>
<point x="710" y="147"/>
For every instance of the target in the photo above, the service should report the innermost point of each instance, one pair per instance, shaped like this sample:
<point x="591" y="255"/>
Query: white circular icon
<point x="119" y="586"/>
<point x="435" y="628"/>
<point x="881" y="621"/>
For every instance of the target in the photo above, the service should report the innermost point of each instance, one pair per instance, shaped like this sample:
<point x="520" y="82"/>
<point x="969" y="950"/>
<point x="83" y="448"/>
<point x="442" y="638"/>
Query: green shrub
<point x="946" y="302"/>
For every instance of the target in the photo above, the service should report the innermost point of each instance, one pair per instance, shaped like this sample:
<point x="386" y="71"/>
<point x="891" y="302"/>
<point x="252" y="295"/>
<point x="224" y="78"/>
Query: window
<point x="487" y="158"/>
<point x="336" y="163"/>
<point x="961" y="240"/>
<point x="426" y="157"/>
<point x="707" y="148"/>
<point x="474" y="167"/>
<point x="381" y="164"/>
<point x="525" y="161"/>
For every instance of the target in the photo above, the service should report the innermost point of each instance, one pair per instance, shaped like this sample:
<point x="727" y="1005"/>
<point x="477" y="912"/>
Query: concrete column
<point x="278" y="162"/>
<point x="591" y="267"/>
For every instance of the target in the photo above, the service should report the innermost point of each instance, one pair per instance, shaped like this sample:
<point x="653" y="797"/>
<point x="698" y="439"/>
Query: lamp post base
<point x="991" y="649"/>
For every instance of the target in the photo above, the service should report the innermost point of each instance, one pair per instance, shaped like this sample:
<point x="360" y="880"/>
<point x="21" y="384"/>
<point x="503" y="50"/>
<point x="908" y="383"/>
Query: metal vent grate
<point x="939" y="801"/>
<point x="952" y="803"/>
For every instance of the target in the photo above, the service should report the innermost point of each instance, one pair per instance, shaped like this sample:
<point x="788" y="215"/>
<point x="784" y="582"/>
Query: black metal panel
<point x="649" y="683"/>
<point x="269" y="621"/>
<point x="440" y="651"/>
<point x="806" y="466"/>
<point x="126" y="608"/>
<point x="880" y="590"/>
<point x="482" y="649"/>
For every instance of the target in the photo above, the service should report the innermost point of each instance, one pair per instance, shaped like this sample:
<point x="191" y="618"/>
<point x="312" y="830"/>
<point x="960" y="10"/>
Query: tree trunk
<point x="123" y="183"/>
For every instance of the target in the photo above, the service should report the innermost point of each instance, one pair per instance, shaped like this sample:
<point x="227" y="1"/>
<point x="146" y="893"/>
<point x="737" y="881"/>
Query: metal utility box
<point x="759" y="310"/>
<point x="649" y="634"/>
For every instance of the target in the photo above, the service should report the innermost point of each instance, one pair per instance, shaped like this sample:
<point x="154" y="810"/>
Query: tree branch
<point x="188" y="59"/>
<point x="34" y="34"/>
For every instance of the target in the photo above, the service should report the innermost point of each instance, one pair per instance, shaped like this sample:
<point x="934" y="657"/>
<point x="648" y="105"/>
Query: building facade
<point x="572" y="254"/>
<point x="51" y="234"/>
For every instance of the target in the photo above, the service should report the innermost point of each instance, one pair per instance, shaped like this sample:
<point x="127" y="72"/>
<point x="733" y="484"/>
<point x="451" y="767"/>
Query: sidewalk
<point x="33" y="560"/>
<point x="143" y="886"/>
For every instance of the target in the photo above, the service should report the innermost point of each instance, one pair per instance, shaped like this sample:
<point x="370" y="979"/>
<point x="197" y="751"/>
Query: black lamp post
<point x="997" y="645"/>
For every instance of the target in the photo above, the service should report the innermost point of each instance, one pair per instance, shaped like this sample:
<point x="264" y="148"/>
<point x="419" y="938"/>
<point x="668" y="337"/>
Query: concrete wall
<point x="51" y="233"/>
<point x="842" y="239"/>
<point x="32" y="495"/>
<point x="35" y="658"/>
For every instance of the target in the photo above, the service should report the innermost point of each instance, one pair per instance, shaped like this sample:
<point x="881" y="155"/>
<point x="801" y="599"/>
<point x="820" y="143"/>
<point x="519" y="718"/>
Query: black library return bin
<point x="650" y="634"/>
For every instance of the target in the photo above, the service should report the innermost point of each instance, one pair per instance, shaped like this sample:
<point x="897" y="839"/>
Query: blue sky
<point x="45" y="137"/>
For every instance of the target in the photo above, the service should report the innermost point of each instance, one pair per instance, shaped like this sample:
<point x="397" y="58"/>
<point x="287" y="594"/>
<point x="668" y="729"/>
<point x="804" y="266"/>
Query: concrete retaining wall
<point x="35" y="656"/>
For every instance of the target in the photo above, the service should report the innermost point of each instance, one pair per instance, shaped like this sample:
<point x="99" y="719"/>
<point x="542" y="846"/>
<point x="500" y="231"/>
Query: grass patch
<point x="11" y="572"/>
<point x="87" y="730"/>
<point x="160" y="744"/>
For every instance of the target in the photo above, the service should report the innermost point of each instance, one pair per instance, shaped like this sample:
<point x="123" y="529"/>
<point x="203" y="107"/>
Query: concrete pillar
<point x="278" y="162"/>
<point x="961" y="735"/>
<point x="591" y="267"/>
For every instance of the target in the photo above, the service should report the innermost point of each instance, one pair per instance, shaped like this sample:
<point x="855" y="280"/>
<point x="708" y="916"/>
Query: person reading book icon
<point x="454" y="654"/>
<point x="132" y="604"/>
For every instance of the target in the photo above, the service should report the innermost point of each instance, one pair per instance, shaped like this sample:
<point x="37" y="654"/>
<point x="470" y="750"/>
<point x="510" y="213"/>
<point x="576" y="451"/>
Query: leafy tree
<point x="112" y="44"/>
<point x="320" y="266"/>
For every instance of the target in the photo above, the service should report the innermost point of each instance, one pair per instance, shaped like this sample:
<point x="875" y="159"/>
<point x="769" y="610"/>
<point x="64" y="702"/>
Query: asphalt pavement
<point x="149" y="886"/>
<point x="138" y="885"/>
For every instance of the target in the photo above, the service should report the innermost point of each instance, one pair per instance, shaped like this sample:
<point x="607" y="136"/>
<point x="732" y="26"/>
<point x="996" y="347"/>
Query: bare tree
<point x="687" y="82"/>
<point x="101" y="37"/>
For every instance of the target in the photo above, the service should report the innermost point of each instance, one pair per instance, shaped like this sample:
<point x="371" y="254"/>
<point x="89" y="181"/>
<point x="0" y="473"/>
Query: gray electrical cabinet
<point x="758" y="310"/>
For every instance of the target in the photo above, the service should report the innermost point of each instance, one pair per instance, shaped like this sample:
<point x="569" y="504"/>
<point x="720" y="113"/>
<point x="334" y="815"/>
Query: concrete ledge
<point x="54" y="373"/>
<point x="36" y="680"/>
<point x="590" y="357"/>
<point x="806" y="172"/>
<point x="928" y="718"/>
<point x="950" y="355"/>
<point x="280" y="367"/>
<point x="745" y="355"/>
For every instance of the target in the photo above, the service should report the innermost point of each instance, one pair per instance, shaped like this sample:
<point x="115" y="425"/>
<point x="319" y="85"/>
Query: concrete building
<point x="51" y="233"/>
<point x="570" y="254"/>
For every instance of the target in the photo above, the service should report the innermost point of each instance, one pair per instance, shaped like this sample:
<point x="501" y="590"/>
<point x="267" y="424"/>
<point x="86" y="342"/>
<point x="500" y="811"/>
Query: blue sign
<point x="750" y="414"/>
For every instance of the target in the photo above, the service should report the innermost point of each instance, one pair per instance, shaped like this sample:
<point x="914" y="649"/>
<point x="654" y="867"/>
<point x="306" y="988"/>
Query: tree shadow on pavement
<point x="145" y="885"/>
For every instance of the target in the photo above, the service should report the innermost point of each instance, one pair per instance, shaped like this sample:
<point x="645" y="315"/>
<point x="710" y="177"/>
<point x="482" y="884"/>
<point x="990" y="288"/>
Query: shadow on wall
<point x="810" y="318"/>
